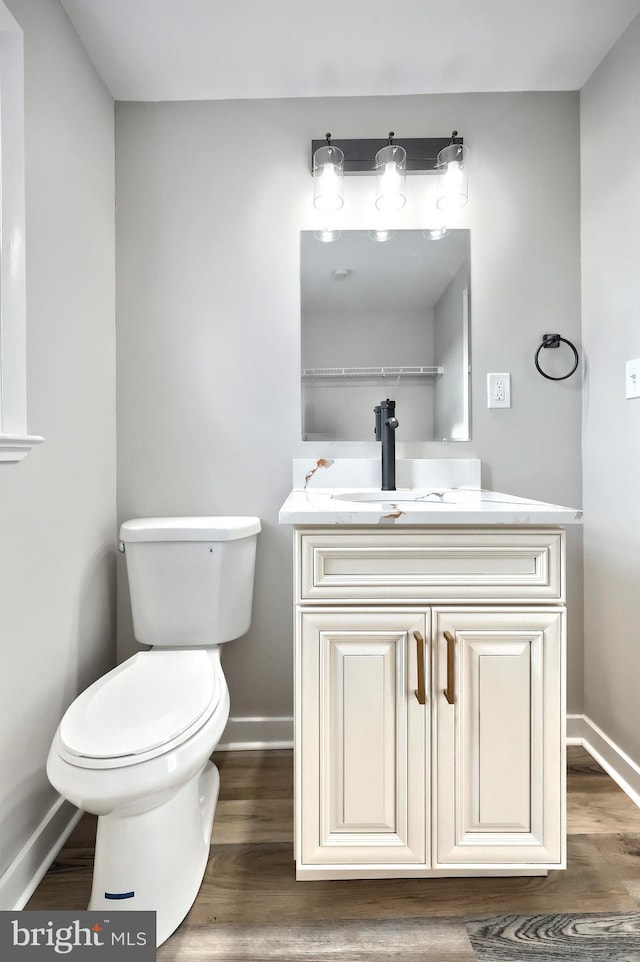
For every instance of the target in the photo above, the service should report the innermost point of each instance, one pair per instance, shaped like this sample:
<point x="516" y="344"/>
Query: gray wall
<point x="211" y="197"/>
<point x="611" y="326"/>
<point x="57" y="508"/>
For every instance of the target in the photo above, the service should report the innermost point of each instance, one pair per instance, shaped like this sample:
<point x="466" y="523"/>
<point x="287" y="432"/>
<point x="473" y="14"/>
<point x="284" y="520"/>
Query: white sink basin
<point x="409" y="495"/>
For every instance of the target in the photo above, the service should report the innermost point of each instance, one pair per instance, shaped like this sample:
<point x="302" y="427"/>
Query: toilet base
<point x="155" y="860"/>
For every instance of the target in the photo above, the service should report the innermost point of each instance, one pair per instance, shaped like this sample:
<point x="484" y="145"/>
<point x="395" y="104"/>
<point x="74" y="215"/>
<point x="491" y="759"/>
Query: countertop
<point x="437" y="492"/>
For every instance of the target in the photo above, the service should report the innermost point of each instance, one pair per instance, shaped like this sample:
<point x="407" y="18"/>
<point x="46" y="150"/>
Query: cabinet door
<point x="500" y="784"/>
<point x="361" y="764"/>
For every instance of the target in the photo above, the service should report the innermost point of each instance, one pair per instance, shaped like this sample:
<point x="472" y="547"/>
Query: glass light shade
<point x="391" y="174"/>
<point x="326" y="235"/>
<point x="453" y="190"/>
<point x="435" y="233"/>
<point x="381" y="235"/>
<point x="328" y="177"/>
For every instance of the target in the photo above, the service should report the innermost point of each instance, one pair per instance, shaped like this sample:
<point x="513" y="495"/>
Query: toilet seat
<point x="145" y="707"/>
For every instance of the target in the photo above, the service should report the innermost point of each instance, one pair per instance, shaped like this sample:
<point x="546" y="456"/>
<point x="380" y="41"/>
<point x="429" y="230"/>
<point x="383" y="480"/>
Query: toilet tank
<point x="190" y="579"/>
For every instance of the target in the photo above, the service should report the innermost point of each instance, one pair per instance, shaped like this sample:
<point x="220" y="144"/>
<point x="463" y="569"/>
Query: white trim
<point x="24" y="874"/>
<point x="621" y="767"/>
<point x="15" y="447"/>
<point x="256" y="734"/>
<point x="15" y="441"/>
<point x="577" y="730"/>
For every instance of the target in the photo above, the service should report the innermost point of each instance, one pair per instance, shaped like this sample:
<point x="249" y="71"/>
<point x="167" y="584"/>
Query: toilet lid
<point x="142" y="704"/>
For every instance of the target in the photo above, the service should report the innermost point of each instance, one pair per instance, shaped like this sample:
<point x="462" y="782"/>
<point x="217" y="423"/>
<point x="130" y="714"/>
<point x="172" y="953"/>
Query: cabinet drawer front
<point x="421" y="565"/>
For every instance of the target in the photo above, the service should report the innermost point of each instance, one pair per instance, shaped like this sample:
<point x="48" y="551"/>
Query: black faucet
<point x="386" y="423"/>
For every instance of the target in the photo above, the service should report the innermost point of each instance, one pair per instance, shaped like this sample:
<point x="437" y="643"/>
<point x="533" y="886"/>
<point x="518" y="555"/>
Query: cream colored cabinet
<point x="363" y="740"/>
<point x="429" y="735"/>
<point x="498" y="736"/>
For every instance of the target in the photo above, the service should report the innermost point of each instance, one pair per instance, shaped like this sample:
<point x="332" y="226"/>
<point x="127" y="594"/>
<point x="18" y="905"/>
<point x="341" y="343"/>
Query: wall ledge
<point x="623" y="770"/>
<point x="15" y="447"/>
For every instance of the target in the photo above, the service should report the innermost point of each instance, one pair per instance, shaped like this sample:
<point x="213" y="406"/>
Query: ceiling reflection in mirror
<point x="385" y="320"/>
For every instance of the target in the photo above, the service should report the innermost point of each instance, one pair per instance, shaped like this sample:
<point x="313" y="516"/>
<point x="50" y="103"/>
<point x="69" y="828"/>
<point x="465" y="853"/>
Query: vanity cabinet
<point x="429" y="701"/>
<point x="363" y="740"/>
<point x="498" y="736"/>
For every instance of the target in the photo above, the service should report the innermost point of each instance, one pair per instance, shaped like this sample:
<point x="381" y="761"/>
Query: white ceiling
<point x="227" y="49"/>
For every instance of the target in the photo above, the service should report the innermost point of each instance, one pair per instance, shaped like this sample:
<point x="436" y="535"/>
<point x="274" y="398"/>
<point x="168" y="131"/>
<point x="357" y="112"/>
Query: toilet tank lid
<point x="189" y="529"/>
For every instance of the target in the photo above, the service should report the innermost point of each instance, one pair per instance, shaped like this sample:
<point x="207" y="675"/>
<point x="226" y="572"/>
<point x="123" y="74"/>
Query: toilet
<point x="134" y="747"/>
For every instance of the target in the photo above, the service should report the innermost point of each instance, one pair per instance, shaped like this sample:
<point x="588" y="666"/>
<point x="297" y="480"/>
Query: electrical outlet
<point x="499" y="390"/>
<point x="632" y="379"/>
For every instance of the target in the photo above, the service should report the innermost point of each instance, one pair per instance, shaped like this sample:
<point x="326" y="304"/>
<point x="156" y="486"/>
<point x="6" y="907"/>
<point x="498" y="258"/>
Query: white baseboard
<point x="22" y="877"/>
<point x="622" y="769"/>
<point x="256" y="734"/>
<point x="24" y="874"/>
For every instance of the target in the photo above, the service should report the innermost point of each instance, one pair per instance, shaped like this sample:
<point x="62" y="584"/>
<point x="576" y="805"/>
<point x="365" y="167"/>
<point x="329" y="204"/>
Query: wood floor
<point x="251" y="908"/>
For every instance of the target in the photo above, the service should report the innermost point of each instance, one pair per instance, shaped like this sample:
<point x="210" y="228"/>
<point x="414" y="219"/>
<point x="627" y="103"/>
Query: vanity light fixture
<point x="453" y="191"/>
<point x="390" y="162"/>
<point x="328" y="173"/>
<point x="391" y="175"/>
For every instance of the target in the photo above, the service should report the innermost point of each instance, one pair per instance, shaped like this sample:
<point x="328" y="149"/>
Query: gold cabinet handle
<point x="450" y="690"/>
<point x="421" y="691"/>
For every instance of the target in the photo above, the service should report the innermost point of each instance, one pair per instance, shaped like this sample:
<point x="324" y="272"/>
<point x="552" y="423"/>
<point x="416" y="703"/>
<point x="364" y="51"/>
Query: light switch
<point x="632" y="380"/>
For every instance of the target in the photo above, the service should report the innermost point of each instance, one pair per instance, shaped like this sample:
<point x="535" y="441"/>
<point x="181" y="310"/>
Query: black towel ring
<point x="553" y="340"/>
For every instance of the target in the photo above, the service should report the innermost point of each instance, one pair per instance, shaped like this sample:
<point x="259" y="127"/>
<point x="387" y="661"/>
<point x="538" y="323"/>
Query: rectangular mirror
<point x="385" y="320"/>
